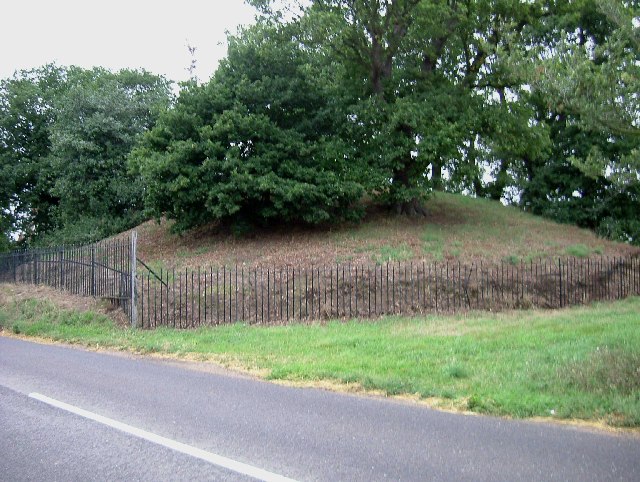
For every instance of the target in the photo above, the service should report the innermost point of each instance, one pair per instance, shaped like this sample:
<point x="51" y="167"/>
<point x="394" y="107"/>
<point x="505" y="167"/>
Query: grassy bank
<point x="456" y="228"/>
<point x="581" y="363"/>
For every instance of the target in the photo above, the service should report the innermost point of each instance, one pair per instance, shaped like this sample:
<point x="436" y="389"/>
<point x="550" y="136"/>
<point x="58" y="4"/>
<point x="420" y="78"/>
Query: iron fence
<point x="101" y="270"/>
<point x="190" y="298"/>
<point x="187" y="298"/>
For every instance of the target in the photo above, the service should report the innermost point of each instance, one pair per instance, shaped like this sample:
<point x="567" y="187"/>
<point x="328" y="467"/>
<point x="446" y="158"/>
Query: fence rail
<point x="101" y="270"/>
<point x="191" y="298"/>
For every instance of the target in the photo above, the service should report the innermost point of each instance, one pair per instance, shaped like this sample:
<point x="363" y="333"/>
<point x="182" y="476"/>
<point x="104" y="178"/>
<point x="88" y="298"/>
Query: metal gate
<point x="104" y="270"/>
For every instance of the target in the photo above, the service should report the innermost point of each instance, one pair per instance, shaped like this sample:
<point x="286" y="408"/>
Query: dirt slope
<point x="456" y="228"/>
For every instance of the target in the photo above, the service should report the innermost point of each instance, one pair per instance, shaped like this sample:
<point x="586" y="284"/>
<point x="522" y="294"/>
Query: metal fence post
<point x="61" y="261"/>
<point x="35" y="268"/>
<point x="134" y="307"/>
<point x="93" y="270"/>
<point x="560" y="270"/>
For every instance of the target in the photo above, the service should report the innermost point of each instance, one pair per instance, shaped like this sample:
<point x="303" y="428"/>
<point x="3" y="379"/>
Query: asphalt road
<point x="304" y="434"/>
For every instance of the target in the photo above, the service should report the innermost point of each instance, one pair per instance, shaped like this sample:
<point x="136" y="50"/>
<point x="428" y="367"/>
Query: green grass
<point x="578" y="250"/>
<point x="512" y="259"/>
<point x="433" y="243"/>
<point x="389" y="253"/>
<point x="581" y="363"/>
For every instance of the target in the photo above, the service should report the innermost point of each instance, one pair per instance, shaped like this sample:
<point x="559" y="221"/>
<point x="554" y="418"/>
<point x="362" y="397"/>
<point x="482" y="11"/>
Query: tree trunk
<point x="436" y="175"/>
<point x="413" y="207"/>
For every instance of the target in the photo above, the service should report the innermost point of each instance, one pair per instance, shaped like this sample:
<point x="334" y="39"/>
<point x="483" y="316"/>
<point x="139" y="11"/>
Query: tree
<point x="26" y="116"/>
<point x="253" y="146"/>
<point x="421" y="74"/>
<point x="66" y="134"/>
<point x="599" y="80"/>
<point x="99" y="120"/>
<point x="532" y="102"/>
<point x="5" y="242"/>
<point x="586" y="85"/>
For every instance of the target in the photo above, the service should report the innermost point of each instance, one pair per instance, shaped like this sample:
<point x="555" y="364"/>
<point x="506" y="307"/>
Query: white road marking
<point x="212" y="458"/>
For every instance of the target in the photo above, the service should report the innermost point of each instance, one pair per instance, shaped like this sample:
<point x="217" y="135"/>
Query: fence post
<point x="93" y="270"/>
<point x="61" y="256"/>
<point x="134" y="306"/>
<point x="35" y="268"/>
<point x="621" y="270"/>
<point x="560" y="269"/>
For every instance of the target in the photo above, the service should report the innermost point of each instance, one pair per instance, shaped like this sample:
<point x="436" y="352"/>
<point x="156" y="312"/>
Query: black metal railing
<point x="188" y="298"/>
<point x="101" y="270"/>
<point x="195" y="297"/>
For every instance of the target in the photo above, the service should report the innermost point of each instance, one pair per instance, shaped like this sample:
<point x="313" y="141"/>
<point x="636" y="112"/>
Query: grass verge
<point x="581" y="363"/>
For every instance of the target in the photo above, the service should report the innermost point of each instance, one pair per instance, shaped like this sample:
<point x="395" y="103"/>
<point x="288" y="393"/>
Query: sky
<point x="116" y="34"/>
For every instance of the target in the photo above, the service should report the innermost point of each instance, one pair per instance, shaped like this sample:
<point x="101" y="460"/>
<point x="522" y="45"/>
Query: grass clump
<point x="578" y="251"/>
<point x="389" y="253"/>
<point x="607" y="369"/>
<point x="433" y="244"/>
<point x="43" y="318"/>
<point x="512" y="259"/>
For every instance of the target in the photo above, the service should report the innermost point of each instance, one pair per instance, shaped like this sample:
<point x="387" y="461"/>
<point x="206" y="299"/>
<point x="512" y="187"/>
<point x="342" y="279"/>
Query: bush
<point x="88" y="229"/>
<point x="254" y="146"/>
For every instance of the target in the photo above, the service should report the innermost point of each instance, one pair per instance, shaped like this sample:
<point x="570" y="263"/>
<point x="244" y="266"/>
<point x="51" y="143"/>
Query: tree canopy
<point x="324" y="104"/>
<point x="65" y="134"/>
<point x="255" y="145"/>
<point x="587" y="92"/>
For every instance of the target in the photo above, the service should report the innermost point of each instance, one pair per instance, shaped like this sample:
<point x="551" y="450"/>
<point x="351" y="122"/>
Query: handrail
<point x="152" y="272"/>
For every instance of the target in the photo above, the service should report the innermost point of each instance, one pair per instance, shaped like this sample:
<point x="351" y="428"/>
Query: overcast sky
<point x="150" y="34"/>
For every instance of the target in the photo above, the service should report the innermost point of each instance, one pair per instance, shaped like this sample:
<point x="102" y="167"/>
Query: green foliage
<point x="64" y="139"/>
<point x="88" y="229"/>
<point x="587" y="94"/>
<point x="626" y="229"/>
<point x="578" y="250"/>
<point x="5" y="242"/>
<point x="97" y="124"/>
<point x="254" y="146"/>
<point x="534" y="103"/>
<point x="412" y="114"/>
<point x="558" y="189"/>
<point x="26" y="117"/>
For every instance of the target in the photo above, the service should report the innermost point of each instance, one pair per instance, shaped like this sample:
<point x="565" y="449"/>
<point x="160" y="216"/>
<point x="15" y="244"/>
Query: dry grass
<point x="456" y="228"/>
<point x="11" y="294"/>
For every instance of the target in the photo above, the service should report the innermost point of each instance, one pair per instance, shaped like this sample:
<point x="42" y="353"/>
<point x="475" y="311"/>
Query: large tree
<point x="26" y="117"/>
<point x="585" y="83"/>
<point x="98" y="121"/>
<point x="428" y="88"/>
<point x="253" y="146"/>
<point x="65" y="134"/>
<point x="597" y="78"/>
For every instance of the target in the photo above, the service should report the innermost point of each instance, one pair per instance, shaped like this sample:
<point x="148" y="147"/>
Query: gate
<point x="104" y="270"/>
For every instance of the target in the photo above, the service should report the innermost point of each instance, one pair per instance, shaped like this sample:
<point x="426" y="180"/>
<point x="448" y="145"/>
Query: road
<point x="148" y="419"/>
